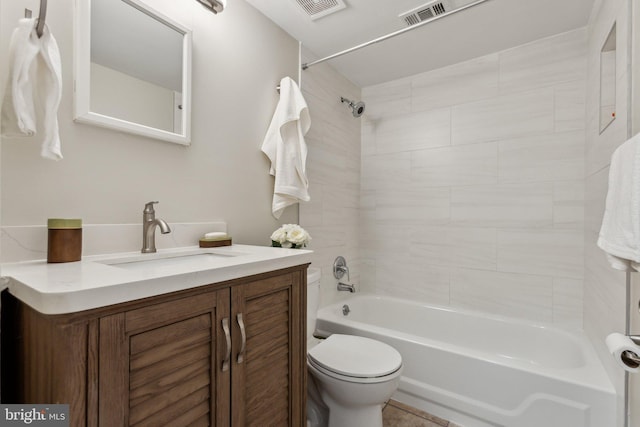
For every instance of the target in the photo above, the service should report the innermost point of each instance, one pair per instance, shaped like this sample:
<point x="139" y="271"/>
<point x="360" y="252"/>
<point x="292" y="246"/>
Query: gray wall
<point x="239" y="57"/>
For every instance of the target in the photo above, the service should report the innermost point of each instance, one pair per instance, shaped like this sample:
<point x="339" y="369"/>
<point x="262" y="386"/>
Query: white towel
<point x="34" y="88"/>
<point x="285" y="146"/>
<point x="620" y="231"/>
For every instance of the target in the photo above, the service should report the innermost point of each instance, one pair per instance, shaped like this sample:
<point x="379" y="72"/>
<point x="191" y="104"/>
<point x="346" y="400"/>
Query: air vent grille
<point x="424" y="13"/>
<point x="318" y="8"/>
<point x="433" y="9"/>
<point x="438" y="9"/>
<point x="411" y="19"/>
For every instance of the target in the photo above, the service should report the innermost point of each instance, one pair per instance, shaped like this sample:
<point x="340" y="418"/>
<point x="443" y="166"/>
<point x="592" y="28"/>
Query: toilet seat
<point x="355" y="359"/>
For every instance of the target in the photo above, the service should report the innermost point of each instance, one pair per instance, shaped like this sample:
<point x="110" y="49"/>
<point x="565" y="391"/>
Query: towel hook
<point x="42" y="15"/>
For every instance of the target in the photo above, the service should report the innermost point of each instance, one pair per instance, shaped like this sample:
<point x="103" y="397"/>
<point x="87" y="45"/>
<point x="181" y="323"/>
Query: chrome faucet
<point x="346" y="287"/>
<point x="149" y="224"/>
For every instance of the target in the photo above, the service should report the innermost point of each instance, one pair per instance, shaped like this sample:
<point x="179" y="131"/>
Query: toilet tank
<point x="313" y="299"/>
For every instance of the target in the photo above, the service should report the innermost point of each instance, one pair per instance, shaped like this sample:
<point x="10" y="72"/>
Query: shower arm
<point x="388" y="36"/>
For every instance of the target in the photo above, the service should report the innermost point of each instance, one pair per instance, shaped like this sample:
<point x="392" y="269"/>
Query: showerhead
<point x="357" y="108"/>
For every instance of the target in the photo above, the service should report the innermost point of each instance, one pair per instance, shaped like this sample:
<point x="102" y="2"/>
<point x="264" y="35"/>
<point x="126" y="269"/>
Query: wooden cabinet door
<point x="269" y="351"/>
<point x="162" y="364"/>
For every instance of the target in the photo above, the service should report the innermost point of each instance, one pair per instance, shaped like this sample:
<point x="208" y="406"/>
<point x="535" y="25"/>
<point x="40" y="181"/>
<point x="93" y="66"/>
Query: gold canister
<point x="64" y="242"/>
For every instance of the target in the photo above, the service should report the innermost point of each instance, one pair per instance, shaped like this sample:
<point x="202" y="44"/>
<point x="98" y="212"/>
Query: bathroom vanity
<point x="212" y="338"/>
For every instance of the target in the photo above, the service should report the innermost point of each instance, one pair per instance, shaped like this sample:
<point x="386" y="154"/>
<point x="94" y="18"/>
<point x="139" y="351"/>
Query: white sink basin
<point x="197" y="260"/>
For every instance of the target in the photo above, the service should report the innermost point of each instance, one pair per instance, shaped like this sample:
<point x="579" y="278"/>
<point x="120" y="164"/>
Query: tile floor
<point x="396" y="414"/>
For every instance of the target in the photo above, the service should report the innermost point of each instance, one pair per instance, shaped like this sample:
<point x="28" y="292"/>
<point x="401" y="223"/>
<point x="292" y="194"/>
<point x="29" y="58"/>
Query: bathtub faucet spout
<point x="346" y="287"/>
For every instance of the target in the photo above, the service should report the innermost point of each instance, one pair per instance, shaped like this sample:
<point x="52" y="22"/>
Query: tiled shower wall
<point x="472" y="185"/>
<point x="333" y="167"/>
<point x="604" y="290"/>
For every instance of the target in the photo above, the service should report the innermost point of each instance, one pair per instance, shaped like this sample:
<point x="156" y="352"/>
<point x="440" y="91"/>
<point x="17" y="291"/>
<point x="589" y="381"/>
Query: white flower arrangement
<point x="290" y="236"/>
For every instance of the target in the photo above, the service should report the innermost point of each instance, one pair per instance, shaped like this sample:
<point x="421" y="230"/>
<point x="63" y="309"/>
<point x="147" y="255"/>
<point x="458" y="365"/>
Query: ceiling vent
<point x="432" y="9"/>
<point x="318" y="8"/>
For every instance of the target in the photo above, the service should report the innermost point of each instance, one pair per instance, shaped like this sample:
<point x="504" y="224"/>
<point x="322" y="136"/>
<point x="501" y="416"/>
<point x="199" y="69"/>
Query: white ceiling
<point x="489" y="27"/>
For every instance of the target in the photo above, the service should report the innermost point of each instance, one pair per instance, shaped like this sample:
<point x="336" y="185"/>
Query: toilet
<point x="350" y="377"/>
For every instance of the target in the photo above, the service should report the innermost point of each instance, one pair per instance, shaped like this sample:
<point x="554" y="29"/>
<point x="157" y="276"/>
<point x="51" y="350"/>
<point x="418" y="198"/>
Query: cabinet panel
<point x="266" y="386"/>
<point x="162" y="364"/>
<point x="113" y="369"/>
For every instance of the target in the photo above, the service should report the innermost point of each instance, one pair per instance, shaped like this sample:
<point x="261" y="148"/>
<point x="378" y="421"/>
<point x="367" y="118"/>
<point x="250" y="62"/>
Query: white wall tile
<point x="492" y="145"/>
<point x="386" y="242"/>
<point x="604" y="288"/>
<point x="552" y="252"/>
<point x="413" y="131"/>
<point x="567" y="302"/>
<point x="367" y="275"/>
<point x="544" y="62"/>
<point x="367" y="138"/>
<point x="26" y="243"/>
<point x="332" y="217"/>
<point x="569" y="204"/>
<point x="386" y="171"/>
<point x="570" y="103"/>
<point x="507" y="294"/>
<point x="457" y="84"/>
<point x="414" y="281"/>
<point x="413" y="205"/>
<point x="507" y="116"/>
<point x="387" y="99"/>
<point x="596" y="188"/>
<point x="326" y="236"/>
<point x="454" y="247"/>
<point x="506" y="205"/>
<point x="550" y="157"/>
<point x="325" y="165"/>
<point x="456" y="165"/>
<point x="604" y="300"/>
<point x="311" y="211"/>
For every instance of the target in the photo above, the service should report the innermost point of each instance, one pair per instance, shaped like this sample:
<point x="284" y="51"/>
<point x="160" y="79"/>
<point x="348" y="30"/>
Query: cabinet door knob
<point x="244" y="338"/>
<point x="227" y="336"/>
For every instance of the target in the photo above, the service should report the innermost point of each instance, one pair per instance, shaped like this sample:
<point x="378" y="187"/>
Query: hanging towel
<point x="34" y="88"/>
<point x="620" y="231"/>
<point x="285" y="146"/>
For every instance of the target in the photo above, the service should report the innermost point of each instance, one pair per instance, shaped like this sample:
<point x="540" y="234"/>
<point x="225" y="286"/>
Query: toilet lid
<point x="354" y="356"/>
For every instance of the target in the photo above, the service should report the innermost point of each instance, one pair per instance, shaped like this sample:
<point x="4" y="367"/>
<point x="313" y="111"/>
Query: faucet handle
<point x="340" y="267"/>
<point x="148" y="207"/>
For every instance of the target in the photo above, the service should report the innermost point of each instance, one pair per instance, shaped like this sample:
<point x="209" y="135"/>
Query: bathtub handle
<point x="340" y="267"/>
<point x="227" y="336"/>
<point x="244" y="338"/>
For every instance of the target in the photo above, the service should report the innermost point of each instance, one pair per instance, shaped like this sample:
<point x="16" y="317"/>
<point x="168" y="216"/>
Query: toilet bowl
<point x="350" y="376"/>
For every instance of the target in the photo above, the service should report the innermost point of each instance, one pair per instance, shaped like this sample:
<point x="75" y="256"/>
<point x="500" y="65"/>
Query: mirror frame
<point x="82" y="77"/>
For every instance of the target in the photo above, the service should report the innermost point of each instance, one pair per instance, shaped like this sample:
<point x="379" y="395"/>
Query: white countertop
<point x="102" y="280"/>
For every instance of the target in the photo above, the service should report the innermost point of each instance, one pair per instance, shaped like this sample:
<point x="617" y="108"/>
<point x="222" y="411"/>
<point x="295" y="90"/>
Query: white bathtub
<point x="480" y="371"/>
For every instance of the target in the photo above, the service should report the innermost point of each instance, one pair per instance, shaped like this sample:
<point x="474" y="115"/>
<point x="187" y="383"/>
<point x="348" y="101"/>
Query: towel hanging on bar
<point x="285" y="147"/>
<point x="34" y="88"/>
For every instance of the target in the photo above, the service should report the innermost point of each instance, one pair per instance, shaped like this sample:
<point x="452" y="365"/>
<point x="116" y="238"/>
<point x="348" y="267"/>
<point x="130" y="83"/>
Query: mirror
<point x="608" y="80"/>
<point x="132" y="70"/>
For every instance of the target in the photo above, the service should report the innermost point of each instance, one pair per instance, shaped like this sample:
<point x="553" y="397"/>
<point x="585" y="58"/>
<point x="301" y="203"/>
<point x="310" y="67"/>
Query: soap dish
<point x="215" y="242"/>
